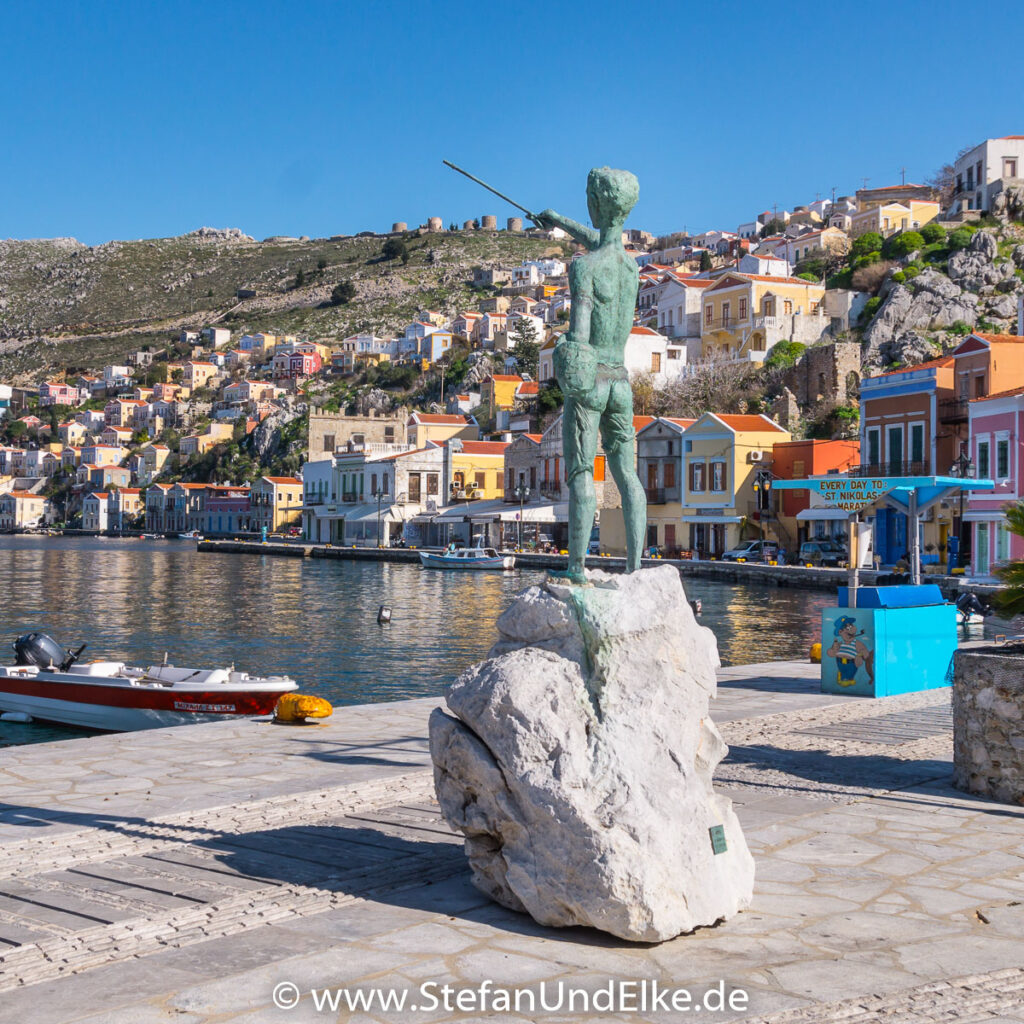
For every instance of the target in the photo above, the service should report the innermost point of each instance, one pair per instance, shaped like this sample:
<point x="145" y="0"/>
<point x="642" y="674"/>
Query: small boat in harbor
<point x="467" y="558"/>
<point x="191" y="535"/>
<point x="47" y="683"/>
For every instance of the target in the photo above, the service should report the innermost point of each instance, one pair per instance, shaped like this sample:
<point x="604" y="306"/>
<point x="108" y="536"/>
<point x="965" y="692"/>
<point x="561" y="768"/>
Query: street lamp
<point x="963" y="467"/>
<point x="762" y="488"/>
<point x="522" y="492"/>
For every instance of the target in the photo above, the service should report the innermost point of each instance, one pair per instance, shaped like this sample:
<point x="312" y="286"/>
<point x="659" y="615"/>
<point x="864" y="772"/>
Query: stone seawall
<point x="988" y="724"/>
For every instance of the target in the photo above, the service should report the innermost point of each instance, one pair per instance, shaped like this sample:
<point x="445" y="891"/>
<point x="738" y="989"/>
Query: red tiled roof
<point x="25" y="494"/>
<point x="999" y="394"/>
<point x="1000" y="339"/>
<point x="506" y="377"/>
<point x="679" y="421"/>
<point x="645" y="331"/>
<point x="272" y="479"/>
<point x="748" y="422"/>
<point x="528" y="387"/>
<point x="536" y="438"/>
<point x="438" y="418"/>
<point x="100" y="494"/>
<point x="484" y="447"/>
<point x="639" y="422"/>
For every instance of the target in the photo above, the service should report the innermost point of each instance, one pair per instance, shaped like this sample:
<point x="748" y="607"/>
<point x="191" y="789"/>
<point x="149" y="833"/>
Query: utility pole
<point x="865" y="182"/>
<point x="903" y="175"/>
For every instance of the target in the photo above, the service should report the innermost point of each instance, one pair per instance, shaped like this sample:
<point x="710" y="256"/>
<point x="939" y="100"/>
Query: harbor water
<point x="313" y="619"/>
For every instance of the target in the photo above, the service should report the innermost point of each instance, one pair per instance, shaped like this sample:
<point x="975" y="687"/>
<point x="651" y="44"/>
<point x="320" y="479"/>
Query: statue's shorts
<point x="607" y="408"/>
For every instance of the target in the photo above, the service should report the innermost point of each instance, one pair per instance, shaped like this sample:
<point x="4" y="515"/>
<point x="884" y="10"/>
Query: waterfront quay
<point x="805" y="576"/>
<point x="186" y="874"/>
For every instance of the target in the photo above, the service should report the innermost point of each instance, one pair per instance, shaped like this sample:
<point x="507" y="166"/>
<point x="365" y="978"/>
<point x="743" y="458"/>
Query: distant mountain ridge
<point x="65" y="304"/>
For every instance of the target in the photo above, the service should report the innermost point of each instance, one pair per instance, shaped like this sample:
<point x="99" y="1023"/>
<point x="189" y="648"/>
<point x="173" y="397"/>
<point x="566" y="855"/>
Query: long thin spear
<point x="500" y="195"/>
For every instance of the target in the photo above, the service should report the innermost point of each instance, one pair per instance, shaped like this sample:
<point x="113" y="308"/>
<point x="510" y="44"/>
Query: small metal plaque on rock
<point x="717" y="833"/>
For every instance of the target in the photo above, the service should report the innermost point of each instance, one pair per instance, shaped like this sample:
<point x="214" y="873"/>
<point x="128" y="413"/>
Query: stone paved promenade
<point x="180" y="875"/>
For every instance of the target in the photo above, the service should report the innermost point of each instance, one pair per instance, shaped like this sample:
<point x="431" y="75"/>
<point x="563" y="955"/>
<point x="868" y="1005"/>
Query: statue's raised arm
<point x="584" y="235"/>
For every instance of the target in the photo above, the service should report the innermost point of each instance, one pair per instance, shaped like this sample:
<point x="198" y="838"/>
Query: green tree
<point x="549" y="397"/>
<point x="343" y="293"/>
<point x="933" y="233"/>
<point x="960" y="239"/>
<point x="1010" y="601"/>
<point x="321" y="264"/>
<point x="869" y="242"/>
<point x="773" y="227"/>
<point x="300" y="279"/>
<point x="525" y="347"/>
<point x="783" y="354"/>
<point x="395" y="248"/>
<point x="705" y="260"/>
<point x="903" y="244"/>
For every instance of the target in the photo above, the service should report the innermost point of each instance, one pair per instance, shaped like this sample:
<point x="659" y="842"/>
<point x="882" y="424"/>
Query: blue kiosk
<point x="884" y="640"/>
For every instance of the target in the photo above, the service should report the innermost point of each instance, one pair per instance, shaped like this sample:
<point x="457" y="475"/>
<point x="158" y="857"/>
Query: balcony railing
<point x="655" y="495"/>
<point x="725" y="323"/>
<point x="551" y="489"/>
<point x="953" y="410"/>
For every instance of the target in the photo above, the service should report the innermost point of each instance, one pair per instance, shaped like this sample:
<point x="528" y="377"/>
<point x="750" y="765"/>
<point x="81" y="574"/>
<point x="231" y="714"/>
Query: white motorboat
<point x="47" y="683"/>
<point x="191" y="535"/>
<point x="467" y="558"/>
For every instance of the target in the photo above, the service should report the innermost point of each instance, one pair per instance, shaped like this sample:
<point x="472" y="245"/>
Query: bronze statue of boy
<point x="590" y="367"/>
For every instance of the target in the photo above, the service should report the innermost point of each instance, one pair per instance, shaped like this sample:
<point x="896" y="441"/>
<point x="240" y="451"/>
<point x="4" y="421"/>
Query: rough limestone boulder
<point x="975" y="269"/>
<point x="577" y="761"/>
<point x="932" y="302"/>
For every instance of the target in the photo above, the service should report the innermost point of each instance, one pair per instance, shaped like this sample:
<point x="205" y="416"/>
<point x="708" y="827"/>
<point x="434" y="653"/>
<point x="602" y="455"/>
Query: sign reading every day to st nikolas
<point x="851" y="494"/>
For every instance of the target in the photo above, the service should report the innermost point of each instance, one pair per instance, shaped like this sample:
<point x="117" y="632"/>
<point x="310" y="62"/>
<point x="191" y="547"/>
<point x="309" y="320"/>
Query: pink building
<point x="997" y="450"/>
<point x="227" y="509"/>
<point x="303" y="364"/>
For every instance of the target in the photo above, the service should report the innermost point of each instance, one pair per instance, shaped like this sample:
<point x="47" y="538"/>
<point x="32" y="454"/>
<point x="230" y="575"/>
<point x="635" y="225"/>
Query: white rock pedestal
<point x="579" y="761"/>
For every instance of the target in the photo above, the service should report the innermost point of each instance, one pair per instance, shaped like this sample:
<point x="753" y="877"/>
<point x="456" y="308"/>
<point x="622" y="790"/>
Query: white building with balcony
<point x="984" y="171"/>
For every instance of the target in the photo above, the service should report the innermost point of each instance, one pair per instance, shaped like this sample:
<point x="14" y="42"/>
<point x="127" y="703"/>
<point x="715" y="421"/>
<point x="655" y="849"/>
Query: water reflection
<point x="315" y="620"/>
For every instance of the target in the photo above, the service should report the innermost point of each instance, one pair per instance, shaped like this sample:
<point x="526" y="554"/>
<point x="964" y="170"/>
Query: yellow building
<point x="722" y="456"/>
<point x="478" y="469"/>
<point x="888" y="218"/>
<point x="196" y="374"/>
<point x="276" y="503"/>
<point x="744" y="315"/>
<point x="499" y="392"/>
<point x="425" y="426"/>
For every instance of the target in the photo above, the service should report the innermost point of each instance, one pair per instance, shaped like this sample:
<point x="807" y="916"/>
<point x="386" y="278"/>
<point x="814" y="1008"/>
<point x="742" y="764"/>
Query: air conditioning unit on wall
<point x="757" y="456"/>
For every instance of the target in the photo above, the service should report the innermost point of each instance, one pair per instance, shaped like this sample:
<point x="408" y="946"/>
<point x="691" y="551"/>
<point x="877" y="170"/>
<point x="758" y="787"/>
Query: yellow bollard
<point x="295" y="708"/>
<point x="815" y="653"/>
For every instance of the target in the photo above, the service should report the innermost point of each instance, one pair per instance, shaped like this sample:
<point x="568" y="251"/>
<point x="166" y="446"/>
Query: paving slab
<point x="317" y="856"/>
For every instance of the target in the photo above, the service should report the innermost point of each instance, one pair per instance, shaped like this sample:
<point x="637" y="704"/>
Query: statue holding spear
<point x="590" y="361"/>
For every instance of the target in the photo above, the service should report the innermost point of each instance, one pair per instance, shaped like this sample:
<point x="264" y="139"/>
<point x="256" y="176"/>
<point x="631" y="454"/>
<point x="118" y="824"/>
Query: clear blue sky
<point x="129" y="120"/>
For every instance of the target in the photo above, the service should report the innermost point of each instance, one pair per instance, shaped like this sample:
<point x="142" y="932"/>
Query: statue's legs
<point x="619" y="441"/>
<point x="579" y="446"/>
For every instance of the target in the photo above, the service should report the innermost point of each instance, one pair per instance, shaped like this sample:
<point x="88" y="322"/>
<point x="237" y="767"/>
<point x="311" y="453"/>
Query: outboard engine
<point x="969" y="604"/>
<point x="43" y="651"/>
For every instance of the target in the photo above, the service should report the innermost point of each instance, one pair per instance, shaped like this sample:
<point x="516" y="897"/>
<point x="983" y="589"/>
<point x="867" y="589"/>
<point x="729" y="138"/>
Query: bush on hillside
<point x="902" y="244"/>
<point x="870" y="278"/>
<point x="343" y="293"/>
<point x="933" y="233"/>
<point x="960" y="327"/>
<point x="871" y="241"/>
<point x="870" y="309"/>
<point x="899" y="277"/>
<point x="960" y="239"/>
<point x="807" y="276"/>
<point x="866" y="260"/>
<point x="783" y="354"/>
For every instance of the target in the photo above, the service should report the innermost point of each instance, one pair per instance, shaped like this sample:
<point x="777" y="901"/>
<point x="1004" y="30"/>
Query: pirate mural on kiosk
<point x="850" y="652"/>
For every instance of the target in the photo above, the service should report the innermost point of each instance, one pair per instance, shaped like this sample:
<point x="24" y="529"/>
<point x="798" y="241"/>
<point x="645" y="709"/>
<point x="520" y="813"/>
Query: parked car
<point x="752" y="551"/>
<point x="821" y="552"/>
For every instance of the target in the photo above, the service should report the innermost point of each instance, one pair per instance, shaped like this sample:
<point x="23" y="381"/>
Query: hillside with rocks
<point x="65" y="305"/>
<point x="930" y="299"/>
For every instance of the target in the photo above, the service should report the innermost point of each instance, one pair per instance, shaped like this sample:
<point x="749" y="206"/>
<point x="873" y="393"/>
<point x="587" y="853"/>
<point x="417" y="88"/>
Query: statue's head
<point x="611" y="194"/>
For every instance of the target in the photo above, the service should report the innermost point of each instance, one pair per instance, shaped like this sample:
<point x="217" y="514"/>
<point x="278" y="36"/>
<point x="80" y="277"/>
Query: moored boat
<point x="47" y="683"/>
<point x="467" y="558"/>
